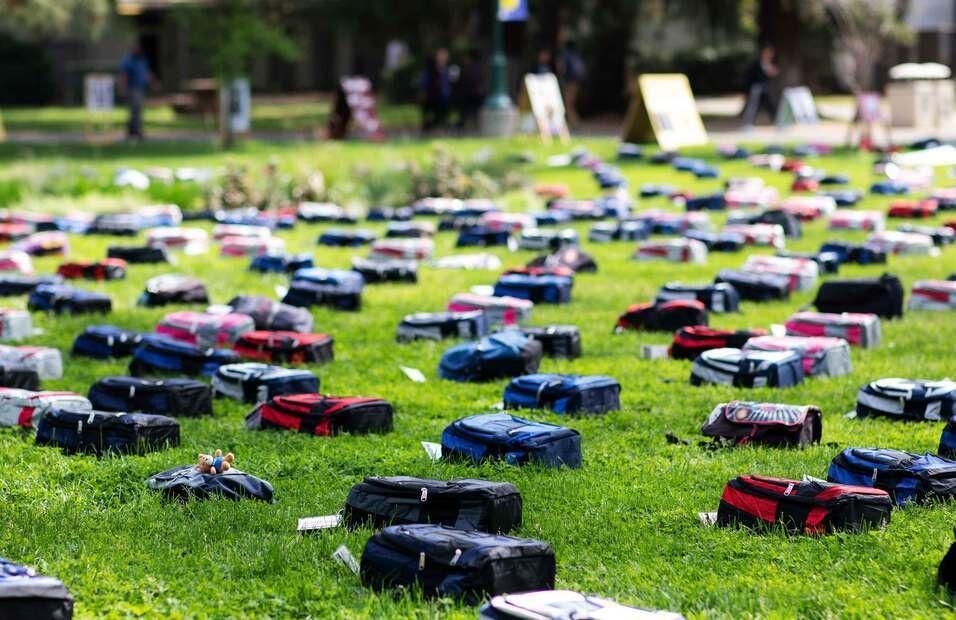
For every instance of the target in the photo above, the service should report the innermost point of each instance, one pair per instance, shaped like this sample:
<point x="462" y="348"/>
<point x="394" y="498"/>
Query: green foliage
<point x="11" y="192"/>
<point x="46" y="17"/>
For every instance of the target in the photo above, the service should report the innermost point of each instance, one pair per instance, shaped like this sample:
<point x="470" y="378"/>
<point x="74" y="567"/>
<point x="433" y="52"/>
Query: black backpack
<point x="463" y="564"/>
<point x="946" y="574"/>
<point x="173" y="289"/>
<point x="272" y="315"/>
<point x="11" y="285"/>
<point x="557" y="340"/>
<point x="106" y="341"/>
<point x="27" y="595"/>
<point x="465" y="504"/>
<point x="755" y="286"/>
<point x="668" y="316"/>
<point x="441" y="325"/>
<point x="104" y="432"/>
<point x="906" y="399"/>
<point x="881" y="296"/>
<point x="720" y="297"/>
<point x="21" y="377"/>
<point x="571" y="257"/>
<point x="172" y="397"/>
<point x="138" y="254"/>
<point x="377" y="271"/>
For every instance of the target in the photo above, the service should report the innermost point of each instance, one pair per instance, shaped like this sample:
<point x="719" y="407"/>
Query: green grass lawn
<point x="624" y="526"/>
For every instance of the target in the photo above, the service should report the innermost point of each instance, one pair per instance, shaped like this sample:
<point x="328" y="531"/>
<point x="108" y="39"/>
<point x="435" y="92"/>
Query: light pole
<point x="498" y="114"/>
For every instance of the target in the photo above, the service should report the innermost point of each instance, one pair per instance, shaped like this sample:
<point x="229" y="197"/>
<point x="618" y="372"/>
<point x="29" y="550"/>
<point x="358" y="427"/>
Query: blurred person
<point x="543" y="62"/>
<point x="436" y="88"/>
<point x="757" y="86"/>
<point x="471" y="89"/>
<point x="571" y="72"/>
<point x="135" y="78"/>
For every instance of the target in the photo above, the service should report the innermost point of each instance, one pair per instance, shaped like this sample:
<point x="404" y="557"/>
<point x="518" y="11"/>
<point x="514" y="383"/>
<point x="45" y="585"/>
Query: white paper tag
<point x="778" y="330"/>
<point x="485" y="290"/>
<point x="654" y="351"/>
<point x="849" y="415"/>
<point x="281" y="290"/>
<point x="559" y="161"/>
<point x="413" y="374"/>
<point x="345" y="557"/>
<point x="433" y="450"/>
<point x="312" y="524"/>
<point x="807" y="478"/>
<point x="707" y="518"/>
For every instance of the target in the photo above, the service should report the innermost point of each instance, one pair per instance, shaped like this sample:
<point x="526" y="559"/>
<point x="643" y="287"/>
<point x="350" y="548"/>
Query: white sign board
<point x="98" y="92"/>
<point x="238" y="105"/>
<point x="547" y="105"/>
<point x="797" y="107"/>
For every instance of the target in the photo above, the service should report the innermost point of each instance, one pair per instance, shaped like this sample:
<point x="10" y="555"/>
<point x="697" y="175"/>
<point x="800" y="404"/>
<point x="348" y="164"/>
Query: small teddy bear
<point x="216" y="463"/>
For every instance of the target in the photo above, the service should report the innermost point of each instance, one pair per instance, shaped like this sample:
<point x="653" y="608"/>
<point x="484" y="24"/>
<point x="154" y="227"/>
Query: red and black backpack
<point x="106" y="269"/>
<point x="285" y="347"/>
<point x="667" y="316"/>
<point x="691" y="341"/>
<point x="316" y="414"/>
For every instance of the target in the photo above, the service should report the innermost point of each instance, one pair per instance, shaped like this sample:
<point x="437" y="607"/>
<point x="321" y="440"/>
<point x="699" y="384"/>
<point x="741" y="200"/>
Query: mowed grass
<point x="623" y="526"/>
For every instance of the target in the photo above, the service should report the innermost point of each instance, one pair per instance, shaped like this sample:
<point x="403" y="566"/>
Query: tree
<point x="863" y="31"/>
<point x="231" y="34"/>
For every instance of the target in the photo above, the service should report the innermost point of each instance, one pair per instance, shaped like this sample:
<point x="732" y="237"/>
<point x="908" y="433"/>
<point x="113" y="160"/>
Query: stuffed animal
<point x="216" y="463"/>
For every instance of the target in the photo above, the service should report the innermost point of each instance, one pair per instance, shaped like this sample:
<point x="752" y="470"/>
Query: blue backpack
<point x="564" y="393"/>
<point x="905" y="476"/>
<point x="500" y="436"/>
<point x="63" y="299"/>
<point x="280" y="263"/>
<point x="481" y="236"/>
<point x="340" y="289"/>
<point x="712" y="202"/>
<point x="346" y="238"/>
<point x="547" y="289"/>
<point x="158" y="354"/>
<point x="503" y="354"/>
<point x="106" y="341"/>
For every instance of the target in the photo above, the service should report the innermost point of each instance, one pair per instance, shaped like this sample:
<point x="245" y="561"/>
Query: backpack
<point x="498" y="310"/>
<point x="801" y="273"/>
<point x="205" y="330"/>
<point x="691" y="341"/>
<point x="858" y="329"/>
<point x="946" y="574"/>
<point x="106" y="341"/>
<point x="681" y="250"/>
<point x="337" y="237"/>
<point x="272" y="315"/>
<point x="717" y="242"/>
<point x="907" y="477"/>
<point x="563" y="393"/>
<point x="19" y="377"/>
<point x="45" y="243"/>
<point x="622" y="230"/>
<point x="481" y="236"/>
<point x="47" y="362"/>
<point x="668" y="316"/>
<point x="105" y="432"/>
<point x="138" y="254"/>
<point x="323" y="416"/>
<point x="171" y="397"/>
<point x="947" y="440"/>
<point x="466" y="504"/>
<point x="537" y="289"/>
<point x="564" y="605"/>
<point x="441" y="325"/>
<point x="237" y="246"/>
<point x="461" y="564"/>
<point x="502" y="354"/>
<point x="881" y="296"/>
<point x="750" y="369"/>
<point x="186" y="482"/>
<point x="545" y="239"/>
<point x="906" y="399"/>
<point x="933" y="295"/>
<point x="770" y="424"/>
<point x="409" y="230"/>
<point x="118" y="224"/>
<point x="514" y="440"/>
<point x="15" y="324"/>
<point x="720" y="297"/>
<point x="28" y="595"/>
<point x="341" y="290"/>
<point x="827" y="262"/>
<point x="157" y="354"/>
<point x="24" y="407"/>
<point x="388" y="270"/>
<point x="792" y="228"/>
<point x="811" y="507"/>
<point x="913" y="208"/>
<point x="854" y="253"/>
<point x="755" y="286"/>
<point x="710" y="202"/>
<point x="407" y="249"/>
<point x="61" y="299"/>
<point x="285" y="347"/>
<point x="570" y="256"/>
<point x="822" y="356"/>
<point x="15" y="284"/>
<point x="106" y="269"/>
<point x="251" y="382"/>
<point x="280" y="263"/>
<point x="173" y="289"/>
<point x="556" y="340"/>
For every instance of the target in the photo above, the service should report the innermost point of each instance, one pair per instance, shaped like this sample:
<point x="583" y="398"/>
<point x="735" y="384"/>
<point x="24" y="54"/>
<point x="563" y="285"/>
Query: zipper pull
<point x="424" y="497"/>
<point x="132" y="391"/>
<point x="454" y="558"/>
<point x="421" y="561"/>
<point x="789" y="489"/>
<point x="873" y="477"/>
<point x="79" y="427"/>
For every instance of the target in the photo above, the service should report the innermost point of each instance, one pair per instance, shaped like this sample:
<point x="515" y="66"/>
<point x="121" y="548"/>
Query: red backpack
<point x="667" y="316"/>
<point x="106" y="269"/>
<point x="691" y="341"/>
<point x="316" y="414"/>
<point x="285" y="347"/>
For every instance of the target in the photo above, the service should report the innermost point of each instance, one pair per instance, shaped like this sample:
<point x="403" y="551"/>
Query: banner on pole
<point x="512" y="10"/>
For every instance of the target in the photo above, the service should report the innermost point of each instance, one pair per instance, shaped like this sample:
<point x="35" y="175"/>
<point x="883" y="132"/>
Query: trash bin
<point x="920" y="95"/>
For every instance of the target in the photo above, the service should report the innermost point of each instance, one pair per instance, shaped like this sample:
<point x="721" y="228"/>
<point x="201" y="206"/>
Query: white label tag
<point x="312" y="524"/>
<point x="345" y="557"/>
<point x="413" y="374"/>
<point x="485" y="290"/>
<point x="707" y="518"/>
<point x="778" y="330"/>
<point x="433" y="450"/>
<point x="281" y="290"/>
<point x="654" y="351"/>
<point x="849" y="415"/>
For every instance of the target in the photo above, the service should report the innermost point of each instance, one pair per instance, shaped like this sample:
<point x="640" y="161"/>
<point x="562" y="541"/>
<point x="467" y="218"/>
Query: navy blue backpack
<point x="503" y="354"/>
<point x="346" y="238"/>
<point x="342" y="290"/>
<point x="172" y="397"/>
<point x="549" y="289"/>
<point x="907" y="477"/>
<point x="280" y="263"/>
<point x="106" y="341"/>
<point x="158" y="354"/>
<point x="500" y="436"/>
<point x="104" y="432"/>
<point x="63" y="299"/>
<point x="564" y="393"/>
<point x="481" y="236"/>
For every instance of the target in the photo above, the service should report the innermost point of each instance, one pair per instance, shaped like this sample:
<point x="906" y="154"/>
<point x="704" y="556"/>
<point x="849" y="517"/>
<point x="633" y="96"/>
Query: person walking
<point x="757" y="87"/>
<point x="571" y="72"/>
<point x="436" y="87"/>
<point x="471" y="90"/>
<point x="135" y="78"/>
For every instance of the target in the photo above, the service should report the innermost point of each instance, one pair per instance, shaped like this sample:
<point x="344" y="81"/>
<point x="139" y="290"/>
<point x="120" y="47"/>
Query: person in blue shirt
<point x="135" y="78"/>
<point x="436" y="87"/>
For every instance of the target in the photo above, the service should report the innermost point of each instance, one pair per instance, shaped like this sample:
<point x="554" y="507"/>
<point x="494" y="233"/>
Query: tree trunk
<point x="225" y="116"/>
<point x="779" y="25"/>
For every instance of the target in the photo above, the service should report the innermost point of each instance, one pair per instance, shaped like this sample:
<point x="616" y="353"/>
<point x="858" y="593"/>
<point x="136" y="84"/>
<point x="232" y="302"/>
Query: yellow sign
<point x="663" y="110"/>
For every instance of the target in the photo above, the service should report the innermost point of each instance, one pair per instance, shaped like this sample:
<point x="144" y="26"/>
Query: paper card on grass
<point x="433" y="450"/>
<point x="281" y="290"/>
<point x="413" y="374"/>
<point x="707" y="518"/>
<point x="485" y="290"/>
<point x="778" y="330"/>
<point x="312" y="524"/>
<point x="654" y="351"/>
<point x="345" y="557"/>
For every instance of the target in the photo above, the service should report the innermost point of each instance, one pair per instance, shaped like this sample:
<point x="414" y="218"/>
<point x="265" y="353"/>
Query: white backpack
<point x="565" y="605"/>
<point x="25" y="408"/>
<point x="15" y="324"/>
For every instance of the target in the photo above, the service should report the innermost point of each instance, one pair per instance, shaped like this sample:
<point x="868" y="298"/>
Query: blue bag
<point x="548" y="289"/>
<point x="346" y="238"/>
<point x="280" y="263"/>
<point x="481" y="236"/>
<point x="104" y="432"/>
<point x="340" y="289"/>
<point x="503" y="354"/>
<point x="63" y="299"/>
<point x="172" y="397"/>
<point x="500" y="436"/>
<point x="158" y="354"/>
<point x="847" y="252"/>
<point x="712" y="202"/>
<point x="907" y="477"/>
<point x="106" y="341"/>
<point x="564" y="393"/>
